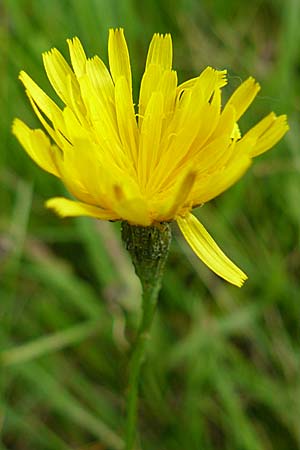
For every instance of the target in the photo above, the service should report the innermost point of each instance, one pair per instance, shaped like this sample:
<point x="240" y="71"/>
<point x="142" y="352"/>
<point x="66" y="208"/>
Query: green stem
<point x="148" y="247"/>
<point x="136" y="362"/>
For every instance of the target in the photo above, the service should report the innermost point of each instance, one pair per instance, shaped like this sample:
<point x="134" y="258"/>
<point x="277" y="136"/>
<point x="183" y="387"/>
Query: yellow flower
<point x="177" y="150"/>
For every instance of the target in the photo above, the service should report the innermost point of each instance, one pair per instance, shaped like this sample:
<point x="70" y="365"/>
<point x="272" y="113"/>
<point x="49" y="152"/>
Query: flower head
<point x="179" y="149"/>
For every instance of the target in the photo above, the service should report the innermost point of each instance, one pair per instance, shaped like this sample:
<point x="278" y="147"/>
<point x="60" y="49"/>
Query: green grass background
<point x="223" y="368"/>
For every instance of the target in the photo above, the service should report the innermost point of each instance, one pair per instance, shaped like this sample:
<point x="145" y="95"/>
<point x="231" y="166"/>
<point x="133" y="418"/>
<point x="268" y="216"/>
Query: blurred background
<point x="223" y="369"/>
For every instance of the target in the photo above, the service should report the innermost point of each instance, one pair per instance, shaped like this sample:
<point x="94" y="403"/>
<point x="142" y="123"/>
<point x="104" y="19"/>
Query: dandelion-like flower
<point x="177" y="151"/>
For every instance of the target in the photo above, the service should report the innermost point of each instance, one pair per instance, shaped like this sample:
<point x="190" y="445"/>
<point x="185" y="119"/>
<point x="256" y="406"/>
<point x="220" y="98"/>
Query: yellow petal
<point x="149" y="142"/>
<point x="133" y="209"/>
<point x="44" y="103"/>
<point x="213" y="156"/>
<point x="211" y="112"/>
<point x="267" y="133"/>
<point x="160" y="51"/>
<point x="179" y="136"/>
<point x="210" y="80"/>
<point x="38" y="146"/>
<point x="158" y="75"/>
<point x="64" y="82"/>
<point x="101" y="112"/>
<point x="226" y="124"/>
<point x="105" y="131"/>
<point x="100" y="79"/>
<point x="208" y="251"/>
<point x="236" y="134"/>
<point x="81" y="169"/>
<point x="149" y="83"/>
<point x="243" y="96"/>
<point x="41" y="102"/>
<point x="217" y="182"/>
<point x="118" y="56"/>
<point x="69" y="208"/>
<point x="126" y="118"/>
<point x="184" y="135"/>
<point x="155" y="79"/>
<point x="167" y="86"/>
<point x="75" y="99"/>
<point x="217" y="77"/>
<point x="74" y="128"/>
<point x="77" y="55"/>
<point x="177" y="199"/>
<point x="58" y="71"/>
<point x="58" y="137"/>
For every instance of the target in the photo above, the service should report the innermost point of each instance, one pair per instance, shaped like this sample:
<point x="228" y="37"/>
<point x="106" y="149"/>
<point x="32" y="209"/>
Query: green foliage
<point x="223" y="370"/>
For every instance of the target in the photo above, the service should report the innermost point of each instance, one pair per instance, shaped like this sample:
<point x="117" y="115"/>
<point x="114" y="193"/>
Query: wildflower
<point x="177" y="151"/>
